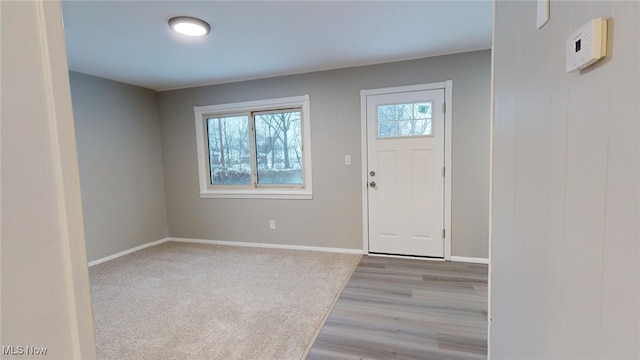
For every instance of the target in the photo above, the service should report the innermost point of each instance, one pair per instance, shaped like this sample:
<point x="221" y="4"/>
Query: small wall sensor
<point x="587" y="45"/>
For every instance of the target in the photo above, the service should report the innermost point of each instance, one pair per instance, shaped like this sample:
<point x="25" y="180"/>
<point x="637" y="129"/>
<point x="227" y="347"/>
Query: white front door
<point x="405" y="161"/>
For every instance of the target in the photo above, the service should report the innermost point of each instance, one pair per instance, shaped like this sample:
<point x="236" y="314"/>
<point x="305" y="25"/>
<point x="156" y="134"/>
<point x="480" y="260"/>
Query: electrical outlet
<point x="272" y="224"/>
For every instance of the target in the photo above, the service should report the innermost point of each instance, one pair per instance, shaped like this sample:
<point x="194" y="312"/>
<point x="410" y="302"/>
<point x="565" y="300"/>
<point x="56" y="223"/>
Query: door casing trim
<point x="448" y="98"/>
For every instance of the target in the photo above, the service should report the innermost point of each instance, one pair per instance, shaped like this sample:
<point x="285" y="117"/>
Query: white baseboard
<point x="123" y="253"/>
<point x="272" y="246"/>
<point x="453" y="258"/>
<point x="405" y="257"/>
<point x="264" y="245"/>
<point x="470" y="259"/>
<point x="230" y="243"/>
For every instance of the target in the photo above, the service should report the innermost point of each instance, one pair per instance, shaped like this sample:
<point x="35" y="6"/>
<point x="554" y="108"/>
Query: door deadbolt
<point x="372" y="173"/>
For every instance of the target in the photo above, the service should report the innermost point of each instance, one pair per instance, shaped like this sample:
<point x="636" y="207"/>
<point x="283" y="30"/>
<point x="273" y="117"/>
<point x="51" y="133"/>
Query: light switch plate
<point x="542" y="16"/>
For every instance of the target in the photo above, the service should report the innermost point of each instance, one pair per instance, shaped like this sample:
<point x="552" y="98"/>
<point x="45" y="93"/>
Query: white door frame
<point x="448" y="99"/>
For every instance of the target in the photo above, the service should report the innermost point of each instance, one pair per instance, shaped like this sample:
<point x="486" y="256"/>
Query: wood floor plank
<point x="408" y="309"/>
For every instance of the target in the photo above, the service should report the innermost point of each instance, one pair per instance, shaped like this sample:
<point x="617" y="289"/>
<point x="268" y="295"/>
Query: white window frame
<point x="267" y="192"/>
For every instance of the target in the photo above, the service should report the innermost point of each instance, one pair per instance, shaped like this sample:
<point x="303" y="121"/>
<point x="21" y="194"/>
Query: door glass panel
<point x="408" y="119"/>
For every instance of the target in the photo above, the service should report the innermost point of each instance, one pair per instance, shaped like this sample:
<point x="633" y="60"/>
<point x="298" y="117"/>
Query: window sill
<point x="259" y="194"/>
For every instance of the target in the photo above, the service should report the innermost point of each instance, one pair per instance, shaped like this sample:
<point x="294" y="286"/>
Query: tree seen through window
<point x="277" y="150"/>
<point x="405" y="120"/>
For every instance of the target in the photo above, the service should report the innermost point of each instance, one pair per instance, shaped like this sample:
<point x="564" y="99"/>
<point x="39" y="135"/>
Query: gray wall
<point x="333" y="217"/>
<point x="119" y="152"/>
<point x="566" y="182"/>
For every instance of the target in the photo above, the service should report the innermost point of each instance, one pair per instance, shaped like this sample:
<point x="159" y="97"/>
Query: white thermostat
<point x="587" y="45"/>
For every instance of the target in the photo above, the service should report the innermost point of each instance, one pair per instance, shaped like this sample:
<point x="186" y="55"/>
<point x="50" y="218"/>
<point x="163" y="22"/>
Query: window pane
<point x="279" y="148"/>
<point x="229" y="159"/>
<point x="412" y="119"/>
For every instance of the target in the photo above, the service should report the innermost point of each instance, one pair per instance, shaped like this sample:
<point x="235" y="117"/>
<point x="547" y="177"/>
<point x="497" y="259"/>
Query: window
<point x="256" y="149"/>
<point x="399" y="120"/>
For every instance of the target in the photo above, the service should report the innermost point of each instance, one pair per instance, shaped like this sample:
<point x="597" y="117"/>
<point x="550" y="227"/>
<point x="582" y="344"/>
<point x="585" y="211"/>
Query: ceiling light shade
<point x="190" y="26"/>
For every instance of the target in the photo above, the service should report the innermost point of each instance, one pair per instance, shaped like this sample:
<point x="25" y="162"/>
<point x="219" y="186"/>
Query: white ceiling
<point x="130" y="41"/>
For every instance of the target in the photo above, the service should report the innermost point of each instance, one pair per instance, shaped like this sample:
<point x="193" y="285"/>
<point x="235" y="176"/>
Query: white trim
<point x="473" y="260"/>
<point x="408" y="88"/>
<point x="448" y="130"/>
<point x="258" y="194"/>
<point x="491" y="149"/>
<point x="126" y="252"/>
<point x="65" y="184"/>
<point x="268" y="104"/>
<point x="208" y="192"/>
<point x="365" y="167"/>
<point x="448" y="98"/>
<point x="405" y="257"/>
<point x="226" y="243"/>
<point x="265" y="246"/>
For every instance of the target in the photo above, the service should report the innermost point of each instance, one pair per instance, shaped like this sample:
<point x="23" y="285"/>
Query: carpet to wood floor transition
<point x="196" y="301"/>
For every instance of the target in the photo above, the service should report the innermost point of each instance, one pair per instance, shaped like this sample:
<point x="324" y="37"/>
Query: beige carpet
<point x="196" y="301"/>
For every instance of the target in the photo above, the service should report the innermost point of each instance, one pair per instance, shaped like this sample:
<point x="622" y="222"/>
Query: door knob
<point x="372" y="184"/>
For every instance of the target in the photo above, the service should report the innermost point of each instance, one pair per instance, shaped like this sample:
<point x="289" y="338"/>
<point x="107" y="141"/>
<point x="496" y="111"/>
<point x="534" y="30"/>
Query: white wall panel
<point x="45" y="279"/>
<point x="565" y="185"/>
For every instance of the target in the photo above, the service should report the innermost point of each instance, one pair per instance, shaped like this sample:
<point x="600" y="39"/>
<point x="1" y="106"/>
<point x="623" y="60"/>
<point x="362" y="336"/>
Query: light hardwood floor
<point x="408" y="309"/>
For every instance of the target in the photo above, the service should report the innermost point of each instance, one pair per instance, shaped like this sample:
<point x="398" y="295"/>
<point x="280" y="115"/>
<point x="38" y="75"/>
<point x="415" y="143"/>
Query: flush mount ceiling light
<point x="190" y="26"/>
